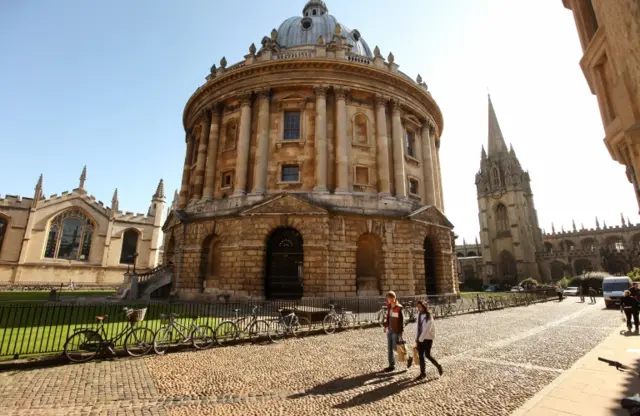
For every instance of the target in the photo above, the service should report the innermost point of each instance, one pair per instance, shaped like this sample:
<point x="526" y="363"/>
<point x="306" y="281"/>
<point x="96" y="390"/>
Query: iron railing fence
<point x="42" y="328"/>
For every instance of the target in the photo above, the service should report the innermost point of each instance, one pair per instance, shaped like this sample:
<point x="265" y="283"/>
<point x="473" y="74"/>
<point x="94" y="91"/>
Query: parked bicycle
<point x="335" y="319"/>
<point x="446" y="308"/>
<point x="410" y="312"/>
<point x="85" y="343"/>
<point x="381" y="317"/>
<point x="288" y="324"/>
<point x="200" y="336"/>
<point x="242" y="327"/>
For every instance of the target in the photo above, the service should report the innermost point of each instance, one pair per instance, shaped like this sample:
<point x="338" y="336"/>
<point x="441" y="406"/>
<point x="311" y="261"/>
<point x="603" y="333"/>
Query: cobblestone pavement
<point x="493" y="363"/>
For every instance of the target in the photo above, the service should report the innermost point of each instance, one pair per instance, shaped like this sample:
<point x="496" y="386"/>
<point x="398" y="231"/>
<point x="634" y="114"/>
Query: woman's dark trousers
<point x="424" y="351"/>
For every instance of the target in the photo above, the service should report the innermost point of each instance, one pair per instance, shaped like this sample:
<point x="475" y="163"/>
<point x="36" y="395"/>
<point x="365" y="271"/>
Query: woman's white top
<point x="428" y="328"/>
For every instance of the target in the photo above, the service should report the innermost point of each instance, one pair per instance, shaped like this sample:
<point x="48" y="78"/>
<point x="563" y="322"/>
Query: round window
<point x="306" y="23"/>
<point x="356" y="35"/>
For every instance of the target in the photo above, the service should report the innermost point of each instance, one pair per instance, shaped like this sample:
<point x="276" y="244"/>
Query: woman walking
<point x="424" y="339"/>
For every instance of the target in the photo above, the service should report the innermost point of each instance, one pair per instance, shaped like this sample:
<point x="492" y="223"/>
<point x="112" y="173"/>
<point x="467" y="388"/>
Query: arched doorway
<point x="209" y="274"/>
<point x="508" y="269"/>
<point x="557" y="270"/>
<point x="283" y="277"/>
<point x="369" y="265"/>
<point x="430" y="278"/>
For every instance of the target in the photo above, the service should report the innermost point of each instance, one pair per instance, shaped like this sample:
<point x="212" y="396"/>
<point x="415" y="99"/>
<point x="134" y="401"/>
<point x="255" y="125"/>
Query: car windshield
<point x="615" y="286"/>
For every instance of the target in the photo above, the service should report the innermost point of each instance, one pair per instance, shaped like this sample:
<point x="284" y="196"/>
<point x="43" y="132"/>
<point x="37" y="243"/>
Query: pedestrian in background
<point x="592" y="295"/>
<point x="394" y="327"/>
<point x="629" y="305"/>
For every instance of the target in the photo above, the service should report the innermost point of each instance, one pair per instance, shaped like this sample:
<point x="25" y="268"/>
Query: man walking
<point x="635" y="291"/>
<point x="581" y="293"/>
<point x="592" y="295"/>
<point x="394" y="327"/>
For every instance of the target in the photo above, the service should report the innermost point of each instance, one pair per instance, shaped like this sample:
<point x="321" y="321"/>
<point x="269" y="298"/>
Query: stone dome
<point x="315" y="22"/>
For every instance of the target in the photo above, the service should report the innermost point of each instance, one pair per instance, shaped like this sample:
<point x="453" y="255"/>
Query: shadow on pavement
<point x="381" y="392"/>
<point x="343" y="384"/>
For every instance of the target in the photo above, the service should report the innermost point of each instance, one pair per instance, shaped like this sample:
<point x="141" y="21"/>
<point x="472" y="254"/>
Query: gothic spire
<point x="83" y="177"/>
<point x="553" y="229"/>
<point x="597" y="224"/>
<point x="483" y="155"/>
<point x="496" y="140"/>
<point x="159" y="190"/>
<point x="629" y="222"/>
<point x="604" y="224"/>
<point x="176" y="198"/>
<point x="39" y="184"/>
<point x="38" y="194"/>
<point x="114" y="201"/>
<point x="622" y="220"/>
<point x="573" y="222"/>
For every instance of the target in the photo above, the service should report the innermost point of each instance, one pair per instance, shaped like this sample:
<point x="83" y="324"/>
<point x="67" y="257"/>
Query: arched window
<point x="4" y="224"/>
<point x="502" y="218"/>
<point x="548" y="247"/>
<point x="230" y="134"/>
<point x="129" y="247"/>
<point x="495" y="176"/>
<point x="589" y="244"/>
<point x="360" y="129"/>
<point x="70" y="235"/>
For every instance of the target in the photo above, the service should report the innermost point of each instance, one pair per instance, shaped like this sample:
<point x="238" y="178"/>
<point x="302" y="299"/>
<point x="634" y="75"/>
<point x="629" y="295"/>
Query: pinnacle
<point x="496" y="139"/>
<point x="160" y="190"/>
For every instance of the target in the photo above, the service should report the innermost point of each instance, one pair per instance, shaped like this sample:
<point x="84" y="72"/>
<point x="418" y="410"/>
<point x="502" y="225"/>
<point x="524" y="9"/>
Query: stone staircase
<point x="141" y="286"/>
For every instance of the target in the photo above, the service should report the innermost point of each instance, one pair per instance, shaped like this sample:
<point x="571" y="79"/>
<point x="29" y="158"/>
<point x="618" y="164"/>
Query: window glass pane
<point x="86" y="241"/>
<point x="129" y="245"/>
<point x="413" y="187"/>
<point x="3" y="230"/>
<point x="292" y="125"/>
<point x="52" y="240"/>
<point x="290" y="173"/>
<point x="410" y="144"/>
<point x="70" y="239"/>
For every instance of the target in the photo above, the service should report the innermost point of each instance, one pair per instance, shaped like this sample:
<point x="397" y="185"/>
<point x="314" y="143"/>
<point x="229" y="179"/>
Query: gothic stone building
<point x="609" y="32"/>
<point x="74" y="237"/>
<point x="312" y="168"/>
<point x="512" y="246"/>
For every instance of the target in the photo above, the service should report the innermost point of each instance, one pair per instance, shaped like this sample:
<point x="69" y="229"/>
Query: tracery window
<point x="502" y="218"/>
<point x="495" y="176"/>
<point x="70" y="235"/>
<point x="4" y="224"/>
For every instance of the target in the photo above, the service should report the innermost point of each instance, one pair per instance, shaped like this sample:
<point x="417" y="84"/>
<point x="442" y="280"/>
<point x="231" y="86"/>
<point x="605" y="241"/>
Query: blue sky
<point x="103" y="84"/>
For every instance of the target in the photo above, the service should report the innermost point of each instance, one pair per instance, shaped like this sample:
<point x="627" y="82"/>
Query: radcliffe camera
<point x="263" y="208"/>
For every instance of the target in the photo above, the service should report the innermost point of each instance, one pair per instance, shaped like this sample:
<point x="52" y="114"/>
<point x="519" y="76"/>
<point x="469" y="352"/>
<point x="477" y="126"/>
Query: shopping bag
<point x="401" y="349"/>
<point x="416" y="354"/>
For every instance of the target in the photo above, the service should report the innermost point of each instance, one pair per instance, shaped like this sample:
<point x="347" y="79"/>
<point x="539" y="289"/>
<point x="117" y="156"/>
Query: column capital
<point x="396" y="105"/>
<point x="320" y="90"/>
<point x="205" y="115"/>
<point x="263" y="94"/>
<point x="245" y="98"/>
<point x="214" y="109"/>
<point x="340" y="92"/>
<point x="381" y="100"/>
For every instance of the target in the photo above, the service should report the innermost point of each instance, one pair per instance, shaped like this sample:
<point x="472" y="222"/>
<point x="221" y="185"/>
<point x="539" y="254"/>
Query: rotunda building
<point x="311" y="169"/>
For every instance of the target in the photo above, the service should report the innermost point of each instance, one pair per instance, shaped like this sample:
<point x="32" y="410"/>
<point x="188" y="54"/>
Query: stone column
<point x="440" y="194"/>
<point x="436" y="172"/>
<point x="342" y="142"/>
<point x="382" y="148"/>
<point x="321" y="139"/>
<point x="186" y="171"/>
<point x="212" y="154"/>
<point x="262" y="154"/>
<point x="202" y="155"/>
<point x="242" y="160"/>
<point x="429" y="197"/>
<point x="398" y="152"/>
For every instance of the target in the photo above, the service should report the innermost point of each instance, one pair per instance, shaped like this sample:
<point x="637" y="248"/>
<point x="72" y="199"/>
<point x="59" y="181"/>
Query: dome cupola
<point x="315" y="8"/>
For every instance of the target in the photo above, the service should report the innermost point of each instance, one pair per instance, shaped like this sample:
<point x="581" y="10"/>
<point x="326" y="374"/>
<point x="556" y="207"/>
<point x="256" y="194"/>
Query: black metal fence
<point x="41" y="328"/>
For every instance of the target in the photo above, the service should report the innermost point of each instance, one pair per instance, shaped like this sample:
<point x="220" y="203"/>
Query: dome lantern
<point x="315" y="8"/>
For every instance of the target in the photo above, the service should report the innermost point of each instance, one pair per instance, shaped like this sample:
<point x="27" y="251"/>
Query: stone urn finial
<point x="274" y="34"/>
<point x="252" y="49"/>
<point x="391" y="58"/>
<point x="419" y="79"/>
<point x="338" y="30"/>
<point x="223" y="62"/>
<point x="376" y="52"/>
<point x="213" y="69"/>
<point x="320" y="40"/>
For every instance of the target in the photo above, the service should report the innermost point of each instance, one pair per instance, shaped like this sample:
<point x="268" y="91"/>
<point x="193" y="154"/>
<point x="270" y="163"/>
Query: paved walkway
<point x="591" y="387"/>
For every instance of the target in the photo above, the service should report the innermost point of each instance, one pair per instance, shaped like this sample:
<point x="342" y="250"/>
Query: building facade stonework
<point x="74" y="237"/>
<point x="312" y="168"/>
<point x="609" y="32"/>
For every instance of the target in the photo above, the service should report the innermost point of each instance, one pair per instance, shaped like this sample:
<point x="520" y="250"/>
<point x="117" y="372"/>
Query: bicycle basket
<point x="136" y="315"/>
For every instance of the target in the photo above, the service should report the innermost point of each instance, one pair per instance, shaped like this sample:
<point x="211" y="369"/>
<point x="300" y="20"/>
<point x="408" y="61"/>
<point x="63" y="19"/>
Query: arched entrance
<point x="209" y="275"/>
<point x="369" y="265"/>
<point x="430" y="278"/>
<point x="283" y="277"/>
<point x="508" y="269"/>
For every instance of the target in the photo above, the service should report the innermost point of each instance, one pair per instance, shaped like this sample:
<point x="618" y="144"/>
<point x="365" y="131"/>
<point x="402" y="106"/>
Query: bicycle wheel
<point x="351" y="321"/>
<point x="302" y="328"/>
<point x="139" y="342"/>
<point x="82" y="346"/>
<point x="203" y="337"/>
<point x="162" y="340"/>
<point x="257" y="330"/>
<point x="330" y="323"/>
<point x="242" y="325"/>
<point x="276" y="331"/>
<point x="226" y="331"/>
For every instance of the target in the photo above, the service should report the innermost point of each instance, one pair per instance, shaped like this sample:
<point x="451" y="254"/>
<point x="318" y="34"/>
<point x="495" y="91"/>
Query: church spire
<point x="496" y="140"/>
<point x="83" y="177"/>
<point x="114" y="201"/>
<point x="159" y="190"/>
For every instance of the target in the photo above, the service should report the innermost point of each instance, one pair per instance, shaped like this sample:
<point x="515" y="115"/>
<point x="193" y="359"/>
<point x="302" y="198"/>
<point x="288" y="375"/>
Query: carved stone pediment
<point x="285" y="204"/>
<point x="431" y="215"/>
<point x="172" y="220"/>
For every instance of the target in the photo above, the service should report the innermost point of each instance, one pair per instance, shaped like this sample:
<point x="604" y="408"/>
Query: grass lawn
<point x="43" y="295"/>
<point x="29" y="328"/>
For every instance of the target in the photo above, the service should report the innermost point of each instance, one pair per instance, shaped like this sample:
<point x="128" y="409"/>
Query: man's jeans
<point x="392" y="341"/>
